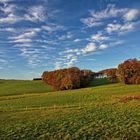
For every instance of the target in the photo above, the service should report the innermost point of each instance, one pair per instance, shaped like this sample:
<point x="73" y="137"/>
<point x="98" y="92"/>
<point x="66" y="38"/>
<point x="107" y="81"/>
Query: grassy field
<point x="16" y="87"/>
<point x="101" y="112"/>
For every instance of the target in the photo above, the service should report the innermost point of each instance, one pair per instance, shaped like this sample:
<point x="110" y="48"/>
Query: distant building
<point x="99" y="75"/>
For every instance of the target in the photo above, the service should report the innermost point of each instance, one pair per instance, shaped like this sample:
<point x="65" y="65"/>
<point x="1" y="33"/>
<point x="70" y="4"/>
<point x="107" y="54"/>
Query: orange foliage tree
<point x="70" y="78"/>
<point x="129" y="71"/>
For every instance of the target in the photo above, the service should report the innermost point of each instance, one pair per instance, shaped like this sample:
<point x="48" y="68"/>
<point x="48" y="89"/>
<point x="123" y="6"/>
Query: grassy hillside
<point x="101" y="81"/>
<point x="15" y="87"/>
<point x="104" y="112"/>
<point x="19" y="87"/>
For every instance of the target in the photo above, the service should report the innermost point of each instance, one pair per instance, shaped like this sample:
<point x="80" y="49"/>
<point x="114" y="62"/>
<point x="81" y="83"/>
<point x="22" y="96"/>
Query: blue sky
<point x="39" y="35"/>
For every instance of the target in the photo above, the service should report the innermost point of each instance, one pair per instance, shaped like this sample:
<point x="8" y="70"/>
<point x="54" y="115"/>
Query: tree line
<point x="127" y="72"/>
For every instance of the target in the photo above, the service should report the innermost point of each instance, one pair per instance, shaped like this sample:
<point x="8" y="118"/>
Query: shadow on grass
<point x="100" y="82"/>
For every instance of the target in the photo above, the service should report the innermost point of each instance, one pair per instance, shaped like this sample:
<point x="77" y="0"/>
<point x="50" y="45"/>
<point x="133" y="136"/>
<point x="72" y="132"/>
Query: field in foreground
<point x="103" y="112"/>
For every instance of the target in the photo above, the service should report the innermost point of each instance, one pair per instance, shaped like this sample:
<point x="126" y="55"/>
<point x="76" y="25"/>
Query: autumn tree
<point x="129" y="71"/>
<point x="112" y="74"/>
<point x="70" y="78"/>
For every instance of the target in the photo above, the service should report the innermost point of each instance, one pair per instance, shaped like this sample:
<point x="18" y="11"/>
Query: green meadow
<point x="32" y="110"/>
<point x="16" y="87"/>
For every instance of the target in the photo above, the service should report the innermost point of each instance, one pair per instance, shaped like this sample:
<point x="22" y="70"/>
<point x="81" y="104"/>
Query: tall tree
<point x="129" y="71"/>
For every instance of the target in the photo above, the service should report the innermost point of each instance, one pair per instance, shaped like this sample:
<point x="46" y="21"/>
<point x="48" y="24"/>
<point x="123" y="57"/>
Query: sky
<point x="43" y="35"/>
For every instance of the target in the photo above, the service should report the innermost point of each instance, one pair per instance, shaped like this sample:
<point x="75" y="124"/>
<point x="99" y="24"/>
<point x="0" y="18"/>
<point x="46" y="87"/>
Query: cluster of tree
<point x="129" y="71"/>
<point x="70" y="78"/>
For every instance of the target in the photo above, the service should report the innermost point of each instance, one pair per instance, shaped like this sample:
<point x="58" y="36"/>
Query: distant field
<point x="104" y="112"/>
<point x="15" y="87"/>
<point x="18" y="87"/>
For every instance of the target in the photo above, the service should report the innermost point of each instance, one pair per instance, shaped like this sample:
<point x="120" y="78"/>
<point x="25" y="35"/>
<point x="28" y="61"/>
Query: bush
<point x="70" y="78"/>
<point x="129" y="71"/>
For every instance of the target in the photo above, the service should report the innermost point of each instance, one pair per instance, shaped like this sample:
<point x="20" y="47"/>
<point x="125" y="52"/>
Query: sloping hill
<point x="16" y="87"/>
<point x="104" y="112"/>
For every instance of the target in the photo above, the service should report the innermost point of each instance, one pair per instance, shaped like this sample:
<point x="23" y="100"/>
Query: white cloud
<point x="25" y="37"/>
<point x="52" y="28"/>
<point x="126" y="27"/>
<point x="28" y="34"/>
<point x="23" y="45"/>
<point x="103" y="46"/>
<point x="89" y="48"/>
<point x="67" y="35"/>
<point x="97" y="17"/>
<point x="23" y="40"/>
<point x="90" y="22"/>
<point x="110" y="11"/>
<point x="46" y="41"/>
<point x="32" y="56"/>
<point x="3" y="1"/>
<point x="57" y="65"/>
<point x="7" y="9"/>
<point x="69" y="57"/>
<point x="11" y="18"/>
<point x="131" y="14"/>
<point x="35" y="13"/>
<point x="112" y="27"/>
<point x="70" y="60"/>
<point x="8" y="29"/>
<point x="8" y="12"/>
<point x="99" y="37"/>
<point x="115" y="43"/>
<point x="77" y="40"/>
<point x="3" y="61"/>
<point x="67" y="60"/>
